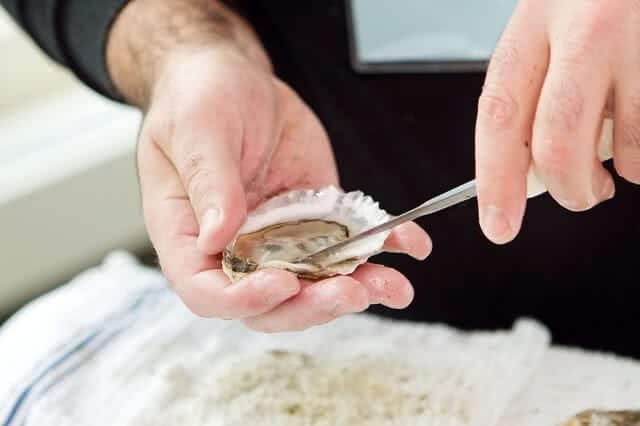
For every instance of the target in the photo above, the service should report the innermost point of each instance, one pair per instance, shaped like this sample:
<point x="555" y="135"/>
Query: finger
<point x="409" y="238"/>
<point x="626" y="132"/>
<point x="317" y="303"/>
<point x="193" y="274"/>
<point x="385" y="285"/>
<point x="210" y="294"/>
<point x="506" y="110"/>
<point x="203" y="151"/>
<point x="570" y="113"/>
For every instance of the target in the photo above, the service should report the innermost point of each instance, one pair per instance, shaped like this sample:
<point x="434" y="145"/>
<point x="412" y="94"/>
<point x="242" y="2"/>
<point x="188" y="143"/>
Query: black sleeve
<point x="72" y="32"/>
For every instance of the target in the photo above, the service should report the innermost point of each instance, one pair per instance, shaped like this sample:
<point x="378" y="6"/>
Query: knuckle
<point x="195" y="174"/>
<point x="572" y="56"/>
<point x="595" y="26"/>
<point x="574" y="50"/>
<point x="552" y="156"/>
<point x="505" y="58"/>
<point x="631" y="135"/>
<point x="497" y="109"/>
<point x="589" y="27"/>
<point x="192" y="164"/>
<point x="566" y="105"/>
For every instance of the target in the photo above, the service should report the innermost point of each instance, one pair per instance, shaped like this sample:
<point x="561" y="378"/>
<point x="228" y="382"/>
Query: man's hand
<point x="222" y="134"/>
<point x="559" y="68"/>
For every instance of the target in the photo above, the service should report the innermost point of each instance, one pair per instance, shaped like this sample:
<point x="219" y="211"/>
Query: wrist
<point x="148" y="36"/>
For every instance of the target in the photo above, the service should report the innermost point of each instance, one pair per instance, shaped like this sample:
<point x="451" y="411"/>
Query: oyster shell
<point x="294" y="225"/>
<point x="605" y="418"/>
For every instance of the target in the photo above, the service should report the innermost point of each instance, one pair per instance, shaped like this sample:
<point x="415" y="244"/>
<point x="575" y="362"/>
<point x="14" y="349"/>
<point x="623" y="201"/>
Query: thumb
<point x="211" y="177"/>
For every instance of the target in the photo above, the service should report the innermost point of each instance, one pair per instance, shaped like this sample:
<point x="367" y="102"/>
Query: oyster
<point x="291" y="226"/>
<point x="605" y="418"/>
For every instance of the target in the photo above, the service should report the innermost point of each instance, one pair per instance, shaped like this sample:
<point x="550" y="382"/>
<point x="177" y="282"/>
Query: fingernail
<point x="425" y="252"/>
<point x="608" y="190"/>
<point x="208" y="224"/>
<point x="496" y="224"/>
<point x="210" y="221"/>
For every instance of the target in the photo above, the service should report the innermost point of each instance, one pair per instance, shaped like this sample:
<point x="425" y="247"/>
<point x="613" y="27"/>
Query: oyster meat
<point x="605" y="418"/>
<point x="287" y="228"/>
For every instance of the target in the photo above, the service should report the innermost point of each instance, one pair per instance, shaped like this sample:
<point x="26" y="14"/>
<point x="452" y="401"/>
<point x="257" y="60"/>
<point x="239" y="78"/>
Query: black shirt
<point x="406" y="137"/>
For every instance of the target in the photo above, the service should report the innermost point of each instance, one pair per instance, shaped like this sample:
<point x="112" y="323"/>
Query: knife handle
<point x="535" y="186"/>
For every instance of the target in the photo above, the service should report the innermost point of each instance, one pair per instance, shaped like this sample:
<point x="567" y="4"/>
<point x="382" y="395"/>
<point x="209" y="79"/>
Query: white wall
<point x="68" y="188"/>
<point x="26" y="73"/>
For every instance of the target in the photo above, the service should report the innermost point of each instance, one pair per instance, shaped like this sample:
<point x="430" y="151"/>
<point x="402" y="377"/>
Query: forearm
<point x="147" y="33"/>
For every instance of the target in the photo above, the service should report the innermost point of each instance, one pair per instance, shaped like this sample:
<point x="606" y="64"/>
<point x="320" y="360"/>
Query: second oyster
<point x="605" y="418"/>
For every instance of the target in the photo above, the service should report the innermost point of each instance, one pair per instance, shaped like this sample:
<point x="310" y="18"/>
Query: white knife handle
<point x="535" y="186"/>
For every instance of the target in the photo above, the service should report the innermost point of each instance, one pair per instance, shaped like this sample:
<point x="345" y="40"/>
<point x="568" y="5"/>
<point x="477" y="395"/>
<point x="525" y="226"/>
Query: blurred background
<point x="68" y="185"/>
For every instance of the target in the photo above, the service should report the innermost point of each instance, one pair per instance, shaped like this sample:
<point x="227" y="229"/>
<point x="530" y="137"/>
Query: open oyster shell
<point x="294" y="225"/>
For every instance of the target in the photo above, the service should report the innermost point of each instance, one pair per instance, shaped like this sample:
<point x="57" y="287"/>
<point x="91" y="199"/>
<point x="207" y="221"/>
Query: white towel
<point x="115" y="347"/>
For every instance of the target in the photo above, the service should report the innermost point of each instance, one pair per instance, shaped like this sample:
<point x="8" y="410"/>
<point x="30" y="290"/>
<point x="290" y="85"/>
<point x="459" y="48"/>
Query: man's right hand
<point x="221" y="134"/>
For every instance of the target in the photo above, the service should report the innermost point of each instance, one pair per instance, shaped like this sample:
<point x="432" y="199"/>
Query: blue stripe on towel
<point x="27" y="390"/>
<point x="60" y="368"/>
